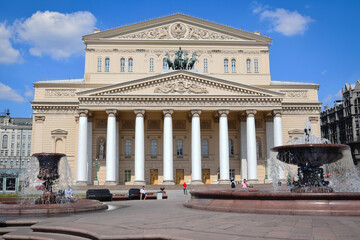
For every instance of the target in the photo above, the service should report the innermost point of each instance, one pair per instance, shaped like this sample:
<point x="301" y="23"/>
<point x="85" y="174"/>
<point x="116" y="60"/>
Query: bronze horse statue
<point x="192" y="61"/>
<point x="169" y="62"/>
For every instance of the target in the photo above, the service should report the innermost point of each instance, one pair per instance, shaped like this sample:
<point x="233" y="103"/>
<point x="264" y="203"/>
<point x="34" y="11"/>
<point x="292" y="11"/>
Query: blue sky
<point x="313" y="41"/>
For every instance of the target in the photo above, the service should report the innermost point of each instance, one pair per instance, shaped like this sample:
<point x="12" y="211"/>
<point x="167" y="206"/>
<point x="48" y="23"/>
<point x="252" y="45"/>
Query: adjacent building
<point x="15" y="142"/>
<point x="340" y="123"/>
<point x="144" y="122"/>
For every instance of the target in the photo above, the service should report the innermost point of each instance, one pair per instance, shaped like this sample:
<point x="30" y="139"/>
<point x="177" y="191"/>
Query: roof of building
<point x="63" y="81"/>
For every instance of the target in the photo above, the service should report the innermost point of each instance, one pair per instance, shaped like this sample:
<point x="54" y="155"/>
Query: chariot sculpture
<point x="180" y="62"/>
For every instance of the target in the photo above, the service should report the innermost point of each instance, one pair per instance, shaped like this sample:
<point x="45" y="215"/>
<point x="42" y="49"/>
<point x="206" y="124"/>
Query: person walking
<point x="184" y="188"/>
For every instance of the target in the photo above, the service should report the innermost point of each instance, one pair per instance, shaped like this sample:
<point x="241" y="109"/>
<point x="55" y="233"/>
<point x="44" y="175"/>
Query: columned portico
<point x="82" y="148"/>
<point x="139" y="148"/>
<point x="195" y="147"/>
<point x="168" y="148"/>
<point x="111" y="148"/>
<point x="269" y="144"/>
<point x="224" y="147"/>
<point x="251" y="146"/>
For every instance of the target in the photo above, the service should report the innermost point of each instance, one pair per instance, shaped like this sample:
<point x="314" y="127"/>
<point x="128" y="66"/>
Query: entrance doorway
<point x="206" y="176"/>
<point x="154" y="176"/>
<point x="179" y="176"/>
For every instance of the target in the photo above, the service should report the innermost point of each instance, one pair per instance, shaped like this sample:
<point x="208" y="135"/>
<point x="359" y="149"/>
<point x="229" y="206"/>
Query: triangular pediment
<point x="177" y="27"/>
<point x="181" y="83"/>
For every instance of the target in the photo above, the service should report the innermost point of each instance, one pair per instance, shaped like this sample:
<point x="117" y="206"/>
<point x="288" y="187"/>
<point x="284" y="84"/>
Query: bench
<point x="134" y="193"/>
<point x="99" y="194"/>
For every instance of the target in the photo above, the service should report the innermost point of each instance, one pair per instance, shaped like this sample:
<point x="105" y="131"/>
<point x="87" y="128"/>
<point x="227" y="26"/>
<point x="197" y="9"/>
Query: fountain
<point x="53" y="170"/>
<point x="311" y="193"/>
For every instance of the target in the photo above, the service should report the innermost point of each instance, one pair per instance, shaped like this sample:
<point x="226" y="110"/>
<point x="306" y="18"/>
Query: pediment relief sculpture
<point x="181" y="87"/>
<point x="178" y="30"/>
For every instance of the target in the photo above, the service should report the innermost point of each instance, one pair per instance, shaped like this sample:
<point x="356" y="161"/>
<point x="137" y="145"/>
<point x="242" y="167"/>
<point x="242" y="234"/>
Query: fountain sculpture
<point x="311" y="194"/>
<point x="53" y="170"/>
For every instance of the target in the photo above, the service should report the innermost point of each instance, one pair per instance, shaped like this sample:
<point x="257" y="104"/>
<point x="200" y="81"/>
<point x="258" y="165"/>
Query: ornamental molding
<point x="55" y="109"/>
<point x="250" y="112"/>
<point x="60" y="93"/>
<point x="139" y="112"/>
<point x="177" y="31"/>
<point x="295" y="93"/>
<point x="171" y="101"/>
<point x="301" y="110"/>
<point x="181" y="87"/>
<point x="163" y="51"/>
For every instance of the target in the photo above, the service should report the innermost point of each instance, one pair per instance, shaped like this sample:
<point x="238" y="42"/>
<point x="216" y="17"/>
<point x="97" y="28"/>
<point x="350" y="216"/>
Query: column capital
<point x="268" y="117"/>
<point x="223" y="112"/>
<point x="195" y="112"/>
<point x="139" y="112"/>
<point x="168" y="112"/>
<point x="83" y="112"/>
<point x="277" y="112"/>
<point x="250" y="112"/>
<point x="111" y="112"/>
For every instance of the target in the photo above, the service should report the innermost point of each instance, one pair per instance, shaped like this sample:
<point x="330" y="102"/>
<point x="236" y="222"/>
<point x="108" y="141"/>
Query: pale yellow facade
<point x="113" y="85"/>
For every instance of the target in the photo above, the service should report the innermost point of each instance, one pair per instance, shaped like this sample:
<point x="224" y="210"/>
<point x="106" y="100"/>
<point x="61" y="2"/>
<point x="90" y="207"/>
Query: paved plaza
<point x="168" y="219"/>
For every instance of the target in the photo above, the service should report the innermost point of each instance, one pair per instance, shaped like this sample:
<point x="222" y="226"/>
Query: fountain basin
<point x="282" y="203"/>
<point x="10" y="206"/>
<point x="314" y="155"/>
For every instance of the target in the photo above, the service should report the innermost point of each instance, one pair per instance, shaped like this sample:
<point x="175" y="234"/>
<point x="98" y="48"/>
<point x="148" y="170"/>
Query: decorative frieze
<point x="100" y="123"/>
<point x="205" y="124"/>
<point x="181" y="87"/>
<point x="179" y="124"/>
<point x="39" y="119"/>
<point x="301" y="110"/>
<point x="154" y="124"/>
<point x="127" y="124"/>
<point x="60" y="93"/>
<point x="295" y="93"/>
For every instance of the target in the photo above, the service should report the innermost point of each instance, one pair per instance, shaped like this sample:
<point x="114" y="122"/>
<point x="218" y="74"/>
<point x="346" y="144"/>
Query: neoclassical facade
<point x="144" y="123"/>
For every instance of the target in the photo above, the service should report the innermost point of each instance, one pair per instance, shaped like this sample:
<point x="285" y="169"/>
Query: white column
<point x="269" y="143"/>
<point x="251" y="145"/>
<point x="89" y="152"/>
<point x="117" y="154"/>
<point x="111" y="148"/>
<point x="82" y="148"/>
<point x="278" y="139"/>
<point x="224" y="147"/>
<point x="195" y="147"/>
<point x="168" y="148"/>
<point x="243" y="148"/>
<point x="139" y="148"/>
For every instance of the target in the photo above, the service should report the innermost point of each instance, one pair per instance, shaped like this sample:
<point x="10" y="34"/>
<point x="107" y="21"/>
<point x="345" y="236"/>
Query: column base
<point x="81" y="183"/>
<point x="224" y="181"/>
<point x="139" y="182"/>
<point x="196" y="182"/>
<point x="168" y="182"/>
<point x="110" y="183"/>
<point x="253" y="181"/>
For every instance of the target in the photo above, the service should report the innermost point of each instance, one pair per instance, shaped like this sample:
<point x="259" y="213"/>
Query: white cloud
<point x="29" y="92"/>
<point x="7" y="93"/>
<point x="324" y="72"/>
<point x="7" y="53"/>
<point x="55" y="34"/>
<point x="330" y="98"/>
<point x="282" y="20"/>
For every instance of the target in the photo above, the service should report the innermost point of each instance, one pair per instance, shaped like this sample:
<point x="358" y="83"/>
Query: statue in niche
<point x="101" y="149"/>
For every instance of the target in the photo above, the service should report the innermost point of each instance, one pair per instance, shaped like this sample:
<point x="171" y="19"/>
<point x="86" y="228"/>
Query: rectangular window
<point x="226" y="65"/>
<point x="256" y="66"/>
<point x="205" y="65"/>
<point x="153" y="148"/>
<point x="232" y="173"/>
<point x="127" y="176"/>
<point x="233" y="65"/>
<point x="151" y="65"/>
<point x="122" y="65"/>
<point x="107" y="65"/>
<point x="248" y="65"/>
<point x="130" y="69"/>
<point x="128" y="147"/>
<point x="99" y="62"/>
<point x="205" y="147"/>
<point x="28" y="153"/>
<point x="179" y="147"/>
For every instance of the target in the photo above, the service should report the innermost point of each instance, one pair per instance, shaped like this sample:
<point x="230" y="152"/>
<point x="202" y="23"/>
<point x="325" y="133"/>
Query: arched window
<point x="256" y="65"/>
<point x="205" y="65"/>
<point x="248" y="65"/>
<point x="122" y="65"/>
<point x="107" y="64"/>
<point x="151" y="63"/>
<point x="99" y="62"/>
<point x="165" y="65"/>
<point x="130" y="68"/>
<point x="5" y="141"/>
<point x="226" y="65"/>
<point x="233" y="65"/>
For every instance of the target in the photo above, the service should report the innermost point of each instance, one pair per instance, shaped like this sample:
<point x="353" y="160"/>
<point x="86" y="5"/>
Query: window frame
<point x="153" y="148"/>
<point x="99" y="64"/>
<point x="151" y="64"/>
<point x="248" y="65"/>
<point x="130" y="64"/>
<point x="226" y="65"/>
<point x="179" y="147"/>
<point x="122" y="64"/>
<point x="233" y="65"/>
<point x="128" y="146"/>
<point x="165" y="65"/>
<point x="205" y="147"/>
<point x="107" y="64"/>
<point x="127" y="175"/>
<point x="256" y="65"/>
<point x="206" y="69"/>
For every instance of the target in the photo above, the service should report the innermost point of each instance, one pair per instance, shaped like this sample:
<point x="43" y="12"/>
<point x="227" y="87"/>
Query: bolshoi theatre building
<point x="171" y="100"/>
